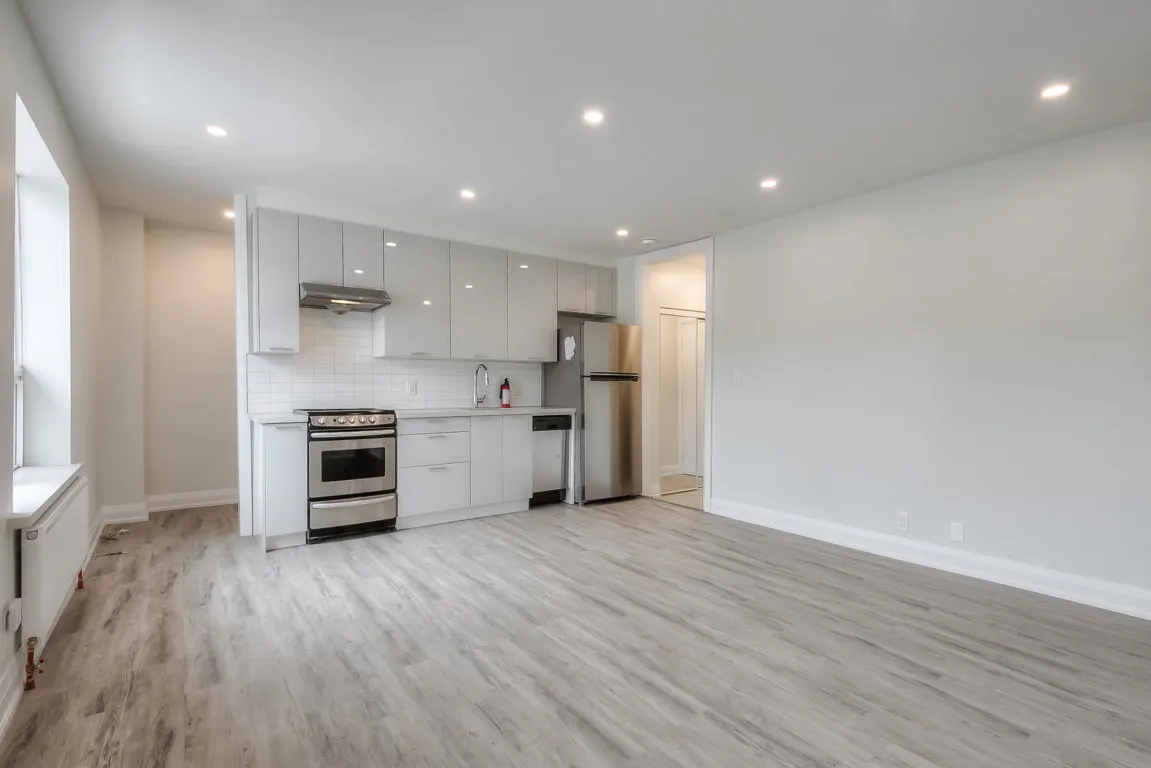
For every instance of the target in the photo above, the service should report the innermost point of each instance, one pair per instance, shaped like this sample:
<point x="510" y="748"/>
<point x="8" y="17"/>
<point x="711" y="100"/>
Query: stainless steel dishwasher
<point x="550" y="458"/>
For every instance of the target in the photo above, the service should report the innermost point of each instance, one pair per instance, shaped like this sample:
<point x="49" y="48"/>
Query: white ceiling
<point x="383" y="109"/>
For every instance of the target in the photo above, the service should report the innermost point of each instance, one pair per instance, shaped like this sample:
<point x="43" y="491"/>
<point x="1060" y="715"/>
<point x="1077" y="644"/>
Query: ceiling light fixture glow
<point x="523" y="266"/>
<point x="217" y="131"/>
<point x="468" y="286"/>
<point x="229" y="214"/>
<point x="769" y="184"/>
<point x="593" y="116"/>
<point x="468" y="194"/>
<point x="358" y="271"/>
<point x="390" y="244"/>
<point x="427" y="303"/>
<point x="621" y="233"/>
<point x="1055" y="91"/>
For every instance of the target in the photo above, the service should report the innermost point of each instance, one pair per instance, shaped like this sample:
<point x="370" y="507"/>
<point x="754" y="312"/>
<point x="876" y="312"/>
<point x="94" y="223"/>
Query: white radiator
<point x="52" y="554"/>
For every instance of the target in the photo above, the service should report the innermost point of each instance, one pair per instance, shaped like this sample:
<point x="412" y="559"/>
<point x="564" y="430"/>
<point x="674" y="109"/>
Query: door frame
<point x="639" y="307"/>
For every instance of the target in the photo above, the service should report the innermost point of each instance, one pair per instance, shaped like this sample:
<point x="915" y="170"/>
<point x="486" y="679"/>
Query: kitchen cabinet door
<point x="572" y="293"/>
<point x="418" y="321"/>
<point x="425" y="490"/>
<point x="285" y="479"/>
<point x="276" y="283"/>
<point x="487" y="460"/>
<point x="603" y="302"/>
<point x="479" y="302"/>
<point x="532" y="307"/>
<point x="517" y="457"/>
<point x="363" y="257"/>
<point x="321" y="251"/>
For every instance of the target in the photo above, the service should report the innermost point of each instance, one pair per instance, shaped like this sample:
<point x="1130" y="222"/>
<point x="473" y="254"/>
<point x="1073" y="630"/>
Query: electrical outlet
<point x="957" y="532"/>
<point x="736" y="376"/>
<point x="410" y="387"/>
<point x="903" y="522"/>
<point x="517" y="388"/>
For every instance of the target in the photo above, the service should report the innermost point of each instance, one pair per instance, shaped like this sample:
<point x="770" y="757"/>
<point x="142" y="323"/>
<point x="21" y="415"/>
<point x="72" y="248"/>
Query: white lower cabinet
<point x="516" y="444"/>
<point x="487" y="460"/>
<point x="436" y="488"/>
<point x="281" y="482"/>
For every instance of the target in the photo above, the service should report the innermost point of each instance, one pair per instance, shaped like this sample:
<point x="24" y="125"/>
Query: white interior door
<point x="700" y="373"/>
<point x="688" y="396"/>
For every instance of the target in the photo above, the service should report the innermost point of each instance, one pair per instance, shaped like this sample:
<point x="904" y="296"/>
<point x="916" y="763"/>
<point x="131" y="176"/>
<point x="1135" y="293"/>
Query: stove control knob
<point x="363" y="420"/>
<point x="321" y="420"/>
<point x="372" y="419"/>
<point x="341" y="420"/>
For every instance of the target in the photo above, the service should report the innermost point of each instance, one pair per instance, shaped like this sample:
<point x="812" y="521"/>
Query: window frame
<point x="17" y="344"/>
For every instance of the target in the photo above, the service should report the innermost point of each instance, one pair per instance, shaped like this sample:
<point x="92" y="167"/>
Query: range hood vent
<point x="340" y="299"/>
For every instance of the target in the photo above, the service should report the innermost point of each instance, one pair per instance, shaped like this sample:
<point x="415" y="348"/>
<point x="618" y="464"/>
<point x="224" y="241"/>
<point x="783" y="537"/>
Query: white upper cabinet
<point x="276" y="283"/>
<point x="363" y="256"/>
<point x="321" y="251"/>
<point x="532" y="307"/>
<point x="600" y="289"/>
<point x="418" y="321"/>
<point x="572" y="294"/>
<point x="479" y="303"/>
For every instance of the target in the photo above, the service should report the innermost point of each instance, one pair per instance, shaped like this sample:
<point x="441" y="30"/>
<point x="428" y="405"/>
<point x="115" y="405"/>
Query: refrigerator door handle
<point x="632" y="377"/>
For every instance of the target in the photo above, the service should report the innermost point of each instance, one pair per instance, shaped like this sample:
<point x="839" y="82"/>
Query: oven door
<point x="351" y="464"/>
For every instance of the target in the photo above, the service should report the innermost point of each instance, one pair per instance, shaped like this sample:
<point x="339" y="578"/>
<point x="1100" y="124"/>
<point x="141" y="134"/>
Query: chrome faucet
<point x="477" y="398"/>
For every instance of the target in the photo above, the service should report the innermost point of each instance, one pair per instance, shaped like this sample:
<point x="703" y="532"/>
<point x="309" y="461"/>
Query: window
<point x="17" y="351"/>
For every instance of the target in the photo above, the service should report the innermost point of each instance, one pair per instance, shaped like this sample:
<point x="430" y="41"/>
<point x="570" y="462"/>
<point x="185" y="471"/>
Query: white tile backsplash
<point x="335" y="369"/>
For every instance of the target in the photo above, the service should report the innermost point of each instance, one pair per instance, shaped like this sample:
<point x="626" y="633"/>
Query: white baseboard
<point x="123" y="513"/>
<point x="11" y="689"/>
<point x="1111" y="596"/>
<point x="192" y="499"/>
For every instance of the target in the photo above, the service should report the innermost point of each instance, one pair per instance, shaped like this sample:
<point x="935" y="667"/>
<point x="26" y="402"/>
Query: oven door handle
<point x="333" y="435"/>
<point x="353" y="502"/>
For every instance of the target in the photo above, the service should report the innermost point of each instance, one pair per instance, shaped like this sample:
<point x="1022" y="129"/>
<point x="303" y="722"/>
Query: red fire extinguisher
<point x="505" y="395"/>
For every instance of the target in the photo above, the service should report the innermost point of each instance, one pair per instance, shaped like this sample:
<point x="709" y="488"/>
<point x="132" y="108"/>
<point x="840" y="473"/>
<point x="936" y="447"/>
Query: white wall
<point x="121" y="417"/>
<point x="971" y="347"/>
<point x="21" y="70"/>
<point x="190" y="364"/>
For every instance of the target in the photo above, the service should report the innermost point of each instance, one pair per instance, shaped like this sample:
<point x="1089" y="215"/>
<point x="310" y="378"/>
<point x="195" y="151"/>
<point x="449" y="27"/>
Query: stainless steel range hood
<point x="340" y="299"/>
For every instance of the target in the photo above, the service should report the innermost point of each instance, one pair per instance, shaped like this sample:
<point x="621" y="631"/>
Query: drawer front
<point x="434" y="489"/>
<point x="437" y="448"/>
<point x="425" y="426"/>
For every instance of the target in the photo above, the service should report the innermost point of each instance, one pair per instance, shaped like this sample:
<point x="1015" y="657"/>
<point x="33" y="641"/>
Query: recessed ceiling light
<point x="621" y="233"/>
<point x="466" y="286"/>
<point x="390" y="244"/>
<point x="358" y="271"/>
<point x="648" y="241"/>
<point x="769" y="184"/>
<point x="468" y="194"/>
<point x="593" y="116"/>
<point x="1055" y="91"/>
<point x="427" y="303"/>
<point x="217" y="131"/>
<point x="229" y="214"/>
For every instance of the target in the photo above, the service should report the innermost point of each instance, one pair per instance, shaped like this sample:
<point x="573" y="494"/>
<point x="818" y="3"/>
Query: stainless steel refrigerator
<point x="597" y="373"/>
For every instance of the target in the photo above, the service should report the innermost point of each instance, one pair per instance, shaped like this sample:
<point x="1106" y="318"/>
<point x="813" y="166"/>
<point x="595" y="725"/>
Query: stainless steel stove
<point x="351" y="471"/>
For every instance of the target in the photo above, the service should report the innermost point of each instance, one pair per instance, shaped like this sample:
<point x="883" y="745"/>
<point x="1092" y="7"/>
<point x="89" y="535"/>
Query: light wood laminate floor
<point x="636" y="634"/>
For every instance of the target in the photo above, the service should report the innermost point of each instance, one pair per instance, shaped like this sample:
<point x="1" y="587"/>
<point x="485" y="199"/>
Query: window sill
<point x="35" y="489"/>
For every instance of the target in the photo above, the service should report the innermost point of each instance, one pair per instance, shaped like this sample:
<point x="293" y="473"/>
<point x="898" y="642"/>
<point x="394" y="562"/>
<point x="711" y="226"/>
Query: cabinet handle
<point x="421" y="354"/>
<point x="482" y="357"/>
<point x="282" y="349"/>
<point x="436" y="437"/>
<point x="437" y="469"/>
<point x="539" y="358"/>
<point x="289" y="426"/>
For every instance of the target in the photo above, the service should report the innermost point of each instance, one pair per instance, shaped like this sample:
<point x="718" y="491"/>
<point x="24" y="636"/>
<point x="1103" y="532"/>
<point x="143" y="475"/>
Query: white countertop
<point x="515" y="410"/>
<point x="277" y="418"/>
<point x="34" y="489"/>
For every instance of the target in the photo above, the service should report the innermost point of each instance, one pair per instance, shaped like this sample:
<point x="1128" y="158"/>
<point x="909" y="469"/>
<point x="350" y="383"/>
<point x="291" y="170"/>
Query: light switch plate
<point x="736" y="376"/>
<point x="410" y="387"/>
<point x="957" y="532"/>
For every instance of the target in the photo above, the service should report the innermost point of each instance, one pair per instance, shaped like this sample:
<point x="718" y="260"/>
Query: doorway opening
<point x="682" y="339"/>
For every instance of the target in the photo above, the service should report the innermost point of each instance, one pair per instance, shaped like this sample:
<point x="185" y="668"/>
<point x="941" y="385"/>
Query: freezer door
<point x="610" y="348"/>
<point x="610" y="441"/>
